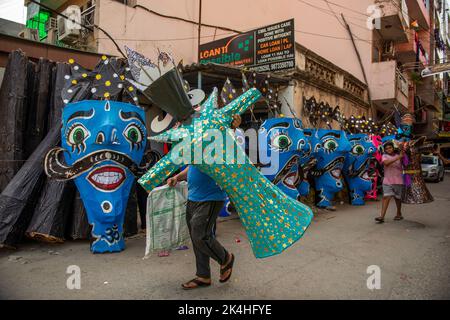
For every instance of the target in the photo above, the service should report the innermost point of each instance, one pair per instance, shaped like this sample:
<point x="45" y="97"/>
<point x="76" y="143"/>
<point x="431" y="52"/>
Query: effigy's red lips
<point x="107" y="178"/>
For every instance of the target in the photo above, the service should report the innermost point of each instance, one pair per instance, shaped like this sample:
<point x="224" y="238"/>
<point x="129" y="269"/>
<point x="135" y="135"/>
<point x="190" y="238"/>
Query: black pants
<point x="201" y="218"/>
<point x="142" y="203"/>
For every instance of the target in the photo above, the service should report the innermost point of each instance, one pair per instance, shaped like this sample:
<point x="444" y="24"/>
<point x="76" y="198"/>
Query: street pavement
<point x="329" y="262"/>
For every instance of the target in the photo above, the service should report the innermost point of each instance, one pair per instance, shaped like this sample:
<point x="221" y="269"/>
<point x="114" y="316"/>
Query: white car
<point x="432" y="168"/>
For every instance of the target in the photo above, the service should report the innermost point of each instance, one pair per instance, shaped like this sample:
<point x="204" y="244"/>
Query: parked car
<point x="432" y="168"/>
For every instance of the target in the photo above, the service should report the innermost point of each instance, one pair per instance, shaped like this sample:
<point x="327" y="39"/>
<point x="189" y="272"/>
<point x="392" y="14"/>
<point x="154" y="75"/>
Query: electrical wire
<point x="331" y="12"/>
<point x="232" y="31"/>
<point x="407" y="14"/>
<point x="191" y="38"/>
<point x="185" y="20"/>
<point x="342" y="23"/>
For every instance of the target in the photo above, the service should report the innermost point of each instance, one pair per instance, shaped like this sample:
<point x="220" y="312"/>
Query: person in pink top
<point x="392" y="181"/>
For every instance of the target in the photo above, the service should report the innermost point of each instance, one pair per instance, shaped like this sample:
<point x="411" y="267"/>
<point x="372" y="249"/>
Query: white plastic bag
<point x="166" y="218"/>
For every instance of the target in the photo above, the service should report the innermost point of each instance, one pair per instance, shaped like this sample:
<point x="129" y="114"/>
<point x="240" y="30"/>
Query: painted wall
<point x="317" y="24"/>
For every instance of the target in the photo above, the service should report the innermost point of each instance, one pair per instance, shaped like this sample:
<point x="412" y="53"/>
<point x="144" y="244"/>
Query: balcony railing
<point x="402" y="83"/>
<point x="88" y="16"/>
<point x="388" y="85"/>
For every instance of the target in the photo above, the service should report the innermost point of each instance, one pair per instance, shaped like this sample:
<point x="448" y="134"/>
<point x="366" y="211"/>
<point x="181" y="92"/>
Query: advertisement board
<point x="266" y="49"/>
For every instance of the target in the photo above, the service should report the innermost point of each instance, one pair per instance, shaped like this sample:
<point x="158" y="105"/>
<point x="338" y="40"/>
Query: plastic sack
<point x="166" y="218"/>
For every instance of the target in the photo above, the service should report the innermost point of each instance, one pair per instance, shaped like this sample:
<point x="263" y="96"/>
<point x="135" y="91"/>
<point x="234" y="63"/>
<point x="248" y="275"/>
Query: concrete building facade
<point x="369" y="68"/>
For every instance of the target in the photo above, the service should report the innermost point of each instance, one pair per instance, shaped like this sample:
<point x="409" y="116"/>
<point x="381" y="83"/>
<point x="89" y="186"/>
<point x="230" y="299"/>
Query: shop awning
<point x="214" y="75"/>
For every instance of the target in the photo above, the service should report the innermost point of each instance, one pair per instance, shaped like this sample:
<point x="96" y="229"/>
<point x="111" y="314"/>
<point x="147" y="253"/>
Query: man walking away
<point x="205" y="200"/>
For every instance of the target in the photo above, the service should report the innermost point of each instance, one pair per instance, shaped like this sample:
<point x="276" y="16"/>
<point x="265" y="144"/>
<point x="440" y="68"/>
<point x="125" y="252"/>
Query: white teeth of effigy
<point x="336" y="172"/>
<point x="107" y="177"/>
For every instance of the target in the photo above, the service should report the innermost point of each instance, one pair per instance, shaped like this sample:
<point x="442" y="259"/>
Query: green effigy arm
<point x="238" y="106"/>
<point x="158" y="173"/>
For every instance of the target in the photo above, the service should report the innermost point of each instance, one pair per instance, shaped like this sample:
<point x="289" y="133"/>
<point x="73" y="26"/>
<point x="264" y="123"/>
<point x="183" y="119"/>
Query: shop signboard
<point x="270" y="48"/>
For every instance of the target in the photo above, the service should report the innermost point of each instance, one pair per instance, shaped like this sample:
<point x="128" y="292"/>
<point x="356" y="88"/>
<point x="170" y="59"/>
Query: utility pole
<point x="199" y="28"/>
<point x="362" y="66"/>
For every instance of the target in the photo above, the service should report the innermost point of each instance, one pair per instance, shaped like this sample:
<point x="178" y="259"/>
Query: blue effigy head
<point x="283" y="139"/>
<point x="329" y="147"/>
<point x="104" y="142"/>
<point x="356" y="167"/>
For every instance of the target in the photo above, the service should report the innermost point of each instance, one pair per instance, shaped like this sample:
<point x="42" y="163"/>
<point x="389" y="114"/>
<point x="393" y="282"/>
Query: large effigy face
<point x="284" y="138"/>
<point x="329" y="148"/>
<point x="356" y="167"/>
<point x="103" y="144"/>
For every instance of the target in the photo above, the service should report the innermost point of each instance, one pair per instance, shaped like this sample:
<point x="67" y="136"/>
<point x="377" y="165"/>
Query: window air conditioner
<point x="69" y="30"/>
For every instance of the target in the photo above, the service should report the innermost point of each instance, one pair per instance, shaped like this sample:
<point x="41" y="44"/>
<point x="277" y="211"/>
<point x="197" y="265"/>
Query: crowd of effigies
<point x="334" y="159"/>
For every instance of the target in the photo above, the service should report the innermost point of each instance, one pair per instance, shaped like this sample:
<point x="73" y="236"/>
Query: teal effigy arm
<point x="158" y="173"/>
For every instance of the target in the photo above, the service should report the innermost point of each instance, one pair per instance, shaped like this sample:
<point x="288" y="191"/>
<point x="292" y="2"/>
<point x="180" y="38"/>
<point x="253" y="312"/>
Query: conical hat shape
<point x="167" y="92"/>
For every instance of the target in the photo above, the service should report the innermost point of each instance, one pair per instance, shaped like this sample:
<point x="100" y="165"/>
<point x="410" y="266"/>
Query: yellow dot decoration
<point x="104" y="57"/>
<point x="130" y="88"/>
<point x="107" y="83"/>
<point x="84" y="75"/>
<point x="98" y="76"/>
<point x="106" y="94"/>
<point x="122" y="77"/>
<point x="74" y="81"/>
<point x="71" y="61"/>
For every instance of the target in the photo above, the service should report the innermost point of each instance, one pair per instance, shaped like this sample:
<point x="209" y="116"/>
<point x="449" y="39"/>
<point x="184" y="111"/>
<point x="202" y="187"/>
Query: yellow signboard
<point x="444" y="134"/>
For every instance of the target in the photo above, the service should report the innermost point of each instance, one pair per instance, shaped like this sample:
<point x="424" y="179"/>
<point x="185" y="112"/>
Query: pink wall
<point x="134" y="26"/>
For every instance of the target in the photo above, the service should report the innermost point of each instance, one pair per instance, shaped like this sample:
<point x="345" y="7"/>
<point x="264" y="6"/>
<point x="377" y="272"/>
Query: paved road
<point x="330" y="262"/>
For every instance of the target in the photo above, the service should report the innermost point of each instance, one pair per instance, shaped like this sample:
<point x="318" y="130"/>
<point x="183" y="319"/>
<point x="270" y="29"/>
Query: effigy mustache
<point x="56" y="168"/>
<point x="360" y="170"/>
<point x="285" y="170"/>
<point x="328" y="167"/>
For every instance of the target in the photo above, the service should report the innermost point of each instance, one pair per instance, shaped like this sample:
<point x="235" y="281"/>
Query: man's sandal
<point x="198" y="284"/>
<point x="229" y="266"/>
<point x="379" y="219"/>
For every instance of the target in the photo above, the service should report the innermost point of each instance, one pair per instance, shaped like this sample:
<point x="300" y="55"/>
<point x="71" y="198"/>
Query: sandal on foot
<point x="163" y="253"/>
<point x="198" y="284"/>
<point x="229" y="266"/>
<point x="379" y="219"/>
<point x="398" y="218"/>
